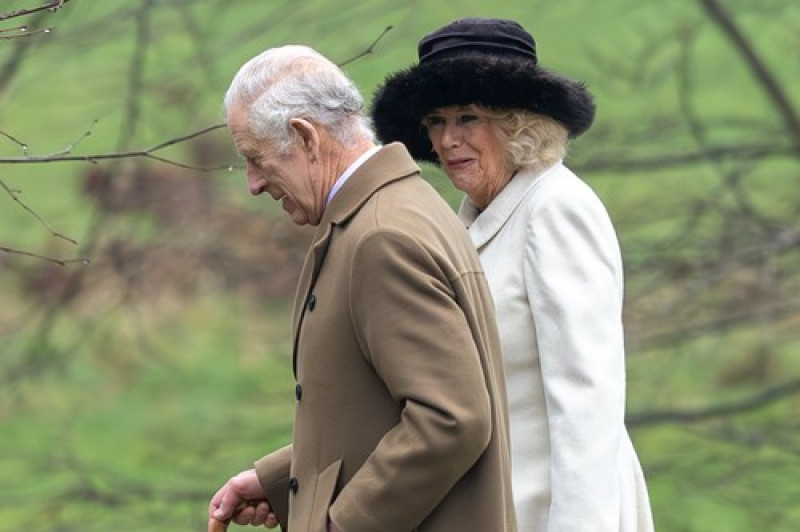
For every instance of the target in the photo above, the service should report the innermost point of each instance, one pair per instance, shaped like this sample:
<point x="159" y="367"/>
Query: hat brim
<point x="405" y="97"/>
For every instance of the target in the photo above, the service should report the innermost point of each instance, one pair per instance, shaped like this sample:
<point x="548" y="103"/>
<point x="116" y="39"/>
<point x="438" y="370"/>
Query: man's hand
<point x="240" y="500"/>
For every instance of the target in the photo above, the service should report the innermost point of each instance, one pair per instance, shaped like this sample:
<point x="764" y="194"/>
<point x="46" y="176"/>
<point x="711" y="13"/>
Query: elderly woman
<point x="478" y="105"/>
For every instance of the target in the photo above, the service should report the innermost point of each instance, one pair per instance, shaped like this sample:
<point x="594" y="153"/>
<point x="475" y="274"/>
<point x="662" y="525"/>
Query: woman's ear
<point x="308" y="135"/>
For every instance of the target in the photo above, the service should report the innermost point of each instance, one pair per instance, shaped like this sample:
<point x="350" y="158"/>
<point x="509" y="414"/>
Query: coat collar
<point x="483" y="226"/>
<point x="390" y="163"/>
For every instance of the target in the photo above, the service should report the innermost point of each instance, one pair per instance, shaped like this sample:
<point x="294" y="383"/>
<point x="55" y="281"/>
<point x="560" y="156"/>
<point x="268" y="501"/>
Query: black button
<point x="311" y="302"/>
<point x="293" y="485"/>
<point x="298" y="392"/>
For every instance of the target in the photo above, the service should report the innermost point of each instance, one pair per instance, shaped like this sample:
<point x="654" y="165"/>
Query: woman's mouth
<point x="458" y="164"/>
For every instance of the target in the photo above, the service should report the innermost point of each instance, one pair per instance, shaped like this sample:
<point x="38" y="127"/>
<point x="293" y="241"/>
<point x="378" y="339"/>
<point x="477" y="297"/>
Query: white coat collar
<point x="484" y="225"/>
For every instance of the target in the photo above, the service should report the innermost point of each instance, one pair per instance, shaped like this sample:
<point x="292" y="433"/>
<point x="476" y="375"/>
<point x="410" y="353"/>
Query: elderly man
<point x="400" y="420"/>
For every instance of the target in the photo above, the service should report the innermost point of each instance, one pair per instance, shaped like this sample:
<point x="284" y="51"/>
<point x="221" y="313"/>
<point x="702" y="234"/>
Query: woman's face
<point x="470" y="151"/>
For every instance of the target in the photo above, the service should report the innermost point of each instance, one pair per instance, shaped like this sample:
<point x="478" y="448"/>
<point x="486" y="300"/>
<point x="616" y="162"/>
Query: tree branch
<point x="24" y="30"/>
<point x="60" y="262"/>
<point x="53" y="232"/>
<point x="720" y="15"/>
<point x="369" y="49"/>
<point x="734" y="152"/>
<point x="149" y="153"/>
<point x="49" y="6"/>
<point x="758" y="400"/>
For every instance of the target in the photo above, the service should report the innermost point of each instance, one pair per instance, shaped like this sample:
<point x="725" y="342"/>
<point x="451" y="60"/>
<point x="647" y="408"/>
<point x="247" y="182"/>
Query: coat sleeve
<point x="573" y="276"/>
<point x="415" y="335"/>
<point x="273" y="474"/>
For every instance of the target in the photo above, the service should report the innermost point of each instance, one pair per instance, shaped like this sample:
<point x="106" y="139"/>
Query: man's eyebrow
<point x="243" y="146"/>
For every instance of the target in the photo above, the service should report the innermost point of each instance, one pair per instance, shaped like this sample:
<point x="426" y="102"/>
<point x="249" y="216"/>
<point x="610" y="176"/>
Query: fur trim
<point x="500" y="83"/>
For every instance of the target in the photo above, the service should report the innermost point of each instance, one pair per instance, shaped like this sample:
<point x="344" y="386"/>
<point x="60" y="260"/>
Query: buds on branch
<point x="23" y="30"/>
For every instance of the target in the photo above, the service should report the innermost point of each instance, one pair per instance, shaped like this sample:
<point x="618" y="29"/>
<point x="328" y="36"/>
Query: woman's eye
<point x="433" y="121"/>
<point x="467" y="119"/>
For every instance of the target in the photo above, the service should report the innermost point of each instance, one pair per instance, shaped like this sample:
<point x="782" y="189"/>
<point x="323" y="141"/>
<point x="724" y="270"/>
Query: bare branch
<point x="53" y="232"/>
<point x="52" y="6"/>
<point x="136" y="74"/>
<point x="369" y="49"/>
<point x="70" y="147"/>
<point x="720" y="15"/>
<point x="189" y="136"/>
<point x="60" y="262"/>
<point x="23" y="30"/>
<point x="15" y="141"/>
<point x="19" y="51"/>
<point x="734" y="152"/>
<point x="148" y="153"/>
<point x="759" y="400"/>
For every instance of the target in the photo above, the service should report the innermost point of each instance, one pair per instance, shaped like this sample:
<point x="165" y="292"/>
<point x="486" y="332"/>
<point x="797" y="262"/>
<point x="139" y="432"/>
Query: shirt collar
<point x="349" y="171"/>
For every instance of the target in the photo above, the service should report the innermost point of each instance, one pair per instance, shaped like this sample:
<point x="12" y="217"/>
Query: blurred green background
<point x="134" y="385"/>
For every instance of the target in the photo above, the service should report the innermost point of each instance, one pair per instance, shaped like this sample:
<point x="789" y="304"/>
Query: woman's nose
<point x="452" y="134"/>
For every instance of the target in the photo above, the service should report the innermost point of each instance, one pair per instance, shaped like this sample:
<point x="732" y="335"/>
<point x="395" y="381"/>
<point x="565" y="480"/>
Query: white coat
<point x="553" y="263"/>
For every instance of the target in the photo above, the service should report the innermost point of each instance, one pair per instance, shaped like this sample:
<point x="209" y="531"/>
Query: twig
<point x="735" y="152"/>
<point x="60" y="262"/>
<point x="53" y="232"/>
<point x="759" y="400"/>
<point x="369" y="49"/>
<point x="780" y="99"/>
<point x="15" y="141"/>
<point x="21" y="31"/>
<point x="51" y="6"/>
<point x="148" y="153"/>
<point x="70" y="147"/>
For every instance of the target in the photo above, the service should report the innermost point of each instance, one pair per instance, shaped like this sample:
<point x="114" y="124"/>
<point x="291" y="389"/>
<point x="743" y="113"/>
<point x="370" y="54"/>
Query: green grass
<point x="138" y="439"/>
<point x="127" y="412"/>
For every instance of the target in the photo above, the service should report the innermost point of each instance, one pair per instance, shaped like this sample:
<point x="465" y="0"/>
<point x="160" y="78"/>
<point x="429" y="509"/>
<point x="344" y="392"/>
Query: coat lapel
<point x="390" y="163"/>
<point x="483" y="226"/>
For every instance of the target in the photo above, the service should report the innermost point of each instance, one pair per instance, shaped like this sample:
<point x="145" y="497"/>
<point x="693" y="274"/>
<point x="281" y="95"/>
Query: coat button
<point x="311" y="302"/>
<point x="298" y="392"/>
<point x="294" y="485"/>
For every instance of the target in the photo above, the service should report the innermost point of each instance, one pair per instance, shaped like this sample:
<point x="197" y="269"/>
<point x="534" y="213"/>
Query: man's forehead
<point x="241" y="137"/>
<point x="239" y="132"/>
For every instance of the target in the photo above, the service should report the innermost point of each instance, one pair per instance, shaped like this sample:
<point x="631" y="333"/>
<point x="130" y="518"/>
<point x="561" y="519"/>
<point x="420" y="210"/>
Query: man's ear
<point x="307" y="133"/>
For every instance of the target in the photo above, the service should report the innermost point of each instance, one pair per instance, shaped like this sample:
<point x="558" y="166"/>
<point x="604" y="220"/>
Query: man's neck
<point x="350" y="154"/>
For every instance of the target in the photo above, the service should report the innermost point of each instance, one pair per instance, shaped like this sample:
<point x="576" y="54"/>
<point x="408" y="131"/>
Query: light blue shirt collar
<point x="350" y="170"/>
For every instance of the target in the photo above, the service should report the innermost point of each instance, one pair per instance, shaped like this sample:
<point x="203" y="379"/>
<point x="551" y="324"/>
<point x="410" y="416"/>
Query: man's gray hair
<point x="295" y="81"/>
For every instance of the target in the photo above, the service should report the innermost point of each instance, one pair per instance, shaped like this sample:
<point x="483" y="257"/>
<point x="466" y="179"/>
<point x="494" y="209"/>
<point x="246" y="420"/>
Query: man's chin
<point x="298" y="217"/>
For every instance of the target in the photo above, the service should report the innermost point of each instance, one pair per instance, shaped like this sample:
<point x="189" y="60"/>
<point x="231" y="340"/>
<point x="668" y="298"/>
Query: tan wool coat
<point x="400" y="421"/>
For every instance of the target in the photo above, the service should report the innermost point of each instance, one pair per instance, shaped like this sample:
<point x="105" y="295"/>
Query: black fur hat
<point x="490" y="62"/>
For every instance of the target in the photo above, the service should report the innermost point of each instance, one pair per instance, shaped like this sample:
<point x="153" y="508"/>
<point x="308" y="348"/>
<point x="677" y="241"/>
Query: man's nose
<point x="255" y="182"/>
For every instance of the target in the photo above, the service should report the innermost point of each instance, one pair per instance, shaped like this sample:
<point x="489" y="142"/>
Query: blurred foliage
<point x="135" y="385"/>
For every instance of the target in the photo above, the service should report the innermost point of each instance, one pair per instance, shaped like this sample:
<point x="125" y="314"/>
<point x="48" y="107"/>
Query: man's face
<point x="286" y="177"/>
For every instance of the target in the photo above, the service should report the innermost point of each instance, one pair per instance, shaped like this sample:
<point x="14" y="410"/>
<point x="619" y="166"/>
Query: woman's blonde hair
<point x="532" y="141"/>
